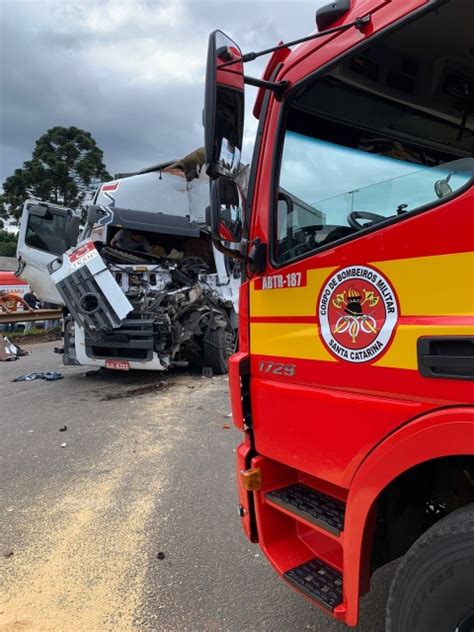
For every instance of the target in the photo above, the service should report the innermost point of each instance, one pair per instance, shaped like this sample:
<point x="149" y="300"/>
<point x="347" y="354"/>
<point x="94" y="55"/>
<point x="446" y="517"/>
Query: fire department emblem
<point x="357" y="311"/>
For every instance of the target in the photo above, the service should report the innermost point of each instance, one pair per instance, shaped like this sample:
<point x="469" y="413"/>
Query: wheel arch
<point x="443" y="433"/>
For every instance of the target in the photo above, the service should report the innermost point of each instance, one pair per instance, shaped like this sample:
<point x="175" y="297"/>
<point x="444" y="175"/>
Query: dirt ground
<point x="118" y="510"/>
<point x="38" y="335"/>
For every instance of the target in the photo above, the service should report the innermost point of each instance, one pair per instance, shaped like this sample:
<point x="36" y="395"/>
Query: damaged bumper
<point x="89" y="290"/>
<point x="83" y="355"/>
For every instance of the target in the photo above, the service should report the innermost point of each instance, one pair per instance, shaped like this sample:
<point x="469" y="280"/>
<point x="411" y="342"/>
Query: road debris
<point x="100" y="372"/>
<point x="139" y="390"/>
<point x="63" y="445"/>
<point x="8" y="553"/>
<point x="63" y="429"/>
<point x="161" y="555"/>
<point x="49" y="376"/>
<point x="10" y="351"/>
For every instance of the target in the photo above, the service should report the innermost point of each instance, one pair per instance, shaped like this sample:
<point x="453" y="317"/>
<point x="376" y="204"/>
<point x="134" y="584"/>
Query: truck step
<point x="318" y="581"/>
<point x="322" y="510"/>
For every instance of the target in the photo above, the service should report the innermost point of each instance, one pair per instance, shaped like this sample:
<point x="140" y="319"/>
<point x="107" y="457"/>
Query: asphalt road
<point x="132" y="525"/>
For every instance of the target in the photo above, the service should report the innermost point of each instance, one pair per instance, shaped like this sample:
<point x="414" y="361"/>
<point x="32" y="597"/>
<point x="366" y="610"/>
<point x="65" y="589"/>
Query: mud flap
<point x="89" y="290"/>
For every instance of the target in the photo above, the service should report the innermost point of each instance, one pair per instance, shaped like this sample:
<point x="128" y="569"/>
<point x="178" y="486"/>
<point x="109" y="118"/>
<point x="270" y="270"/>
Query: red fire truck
<point x="353" y="381"/>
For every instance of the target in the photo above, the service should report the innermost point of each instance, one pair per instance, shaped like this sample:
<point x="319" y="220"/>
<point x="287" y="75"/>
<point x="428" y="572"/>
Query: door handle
<point x="446" y="357"/>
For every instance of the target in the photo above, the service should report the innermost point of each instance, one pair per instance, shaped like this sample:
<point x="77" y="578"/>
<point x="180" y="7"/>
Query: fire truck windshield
<point x="337" y="181"/>
<point x="382" y="135"/>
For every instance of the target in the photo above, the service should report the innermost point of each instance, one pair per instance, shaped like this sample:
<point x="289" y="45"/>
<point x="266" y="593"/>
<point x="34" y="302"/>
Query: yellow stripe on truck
<point x="298" y="301"/>
<point x="289" y="340"/>
<point x="425" y="286"/>
<point x="402" y="353"/>
<point x="302" y="341"/>
<point x="432" y="286"/>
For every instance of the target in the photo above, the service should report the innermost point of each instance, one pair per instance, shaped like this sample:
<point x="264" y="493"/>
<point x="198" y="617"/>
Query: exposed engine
<point x="177" y="308"/>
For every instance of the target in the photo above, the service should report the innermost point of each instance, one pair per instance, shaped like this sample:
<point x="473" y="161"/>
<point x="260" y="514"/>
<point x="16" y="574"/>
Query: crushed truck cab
<point x="353" y="384"/>
<point x="142" y="285"/>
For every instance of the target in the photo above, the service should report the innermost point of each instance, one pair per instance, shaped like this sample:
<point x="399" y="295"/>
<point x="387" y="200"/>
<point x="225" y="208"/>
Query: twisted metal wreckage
<point x="141" y="284"/>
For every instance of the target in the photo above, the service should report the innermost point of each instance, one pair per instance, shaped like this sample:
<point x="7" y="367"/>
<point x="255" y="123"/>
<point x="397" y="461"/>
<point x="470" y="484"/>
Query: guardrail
<point x="37" y="314"/>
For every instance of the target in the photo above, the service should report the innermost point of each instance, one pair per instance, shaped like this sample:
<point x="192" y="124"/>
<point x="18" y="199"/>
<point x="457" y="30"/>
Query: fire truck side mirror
<point x="223" y="115"/>
<point x="227" y="215"/>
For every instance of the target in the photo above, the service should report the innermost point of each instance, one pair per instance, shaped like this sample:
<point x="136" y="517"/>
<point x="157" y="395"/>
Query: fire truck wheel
<point x="433" y="588"/>
<point x="218" y="347"/>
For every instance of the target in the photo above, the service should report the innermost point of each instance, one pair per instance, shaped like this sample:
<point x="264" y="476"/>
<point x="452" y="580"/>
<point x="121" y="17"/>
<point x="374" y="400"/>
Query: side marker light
<point x="251" y="479"/>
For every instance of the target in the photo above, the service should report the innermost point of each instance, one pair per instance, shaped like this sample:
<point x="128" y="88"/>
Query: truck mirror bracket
<point x="257" y="256"/>
<point x="230" y="252"/>
<point x="277" y="87"/>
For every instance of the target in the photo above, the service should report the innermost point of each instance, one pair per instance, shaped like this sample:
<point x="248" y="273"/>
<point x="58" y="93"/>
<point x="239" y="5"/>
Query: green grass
<point x="32" y="334"/>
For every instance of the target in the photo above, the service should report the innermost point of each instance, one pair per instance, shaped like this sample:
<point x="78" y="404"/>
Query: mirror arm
<point x="359" y="23"/>
<point x="230" y="252"/>
<point x="278" y="87"/>
<point x="254" y="252"/>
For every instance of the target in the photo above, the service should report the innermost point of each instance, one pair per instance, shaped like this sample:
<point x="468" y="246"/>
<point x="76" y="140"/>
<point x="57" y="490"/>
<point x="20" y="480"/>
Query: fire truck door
<point x="338" y="341"/>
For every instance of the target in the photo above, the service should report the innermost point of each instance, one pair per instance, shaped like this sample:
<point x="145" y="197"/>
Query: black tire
<point x="218" y="347"/>
<point x="433" y="588"/>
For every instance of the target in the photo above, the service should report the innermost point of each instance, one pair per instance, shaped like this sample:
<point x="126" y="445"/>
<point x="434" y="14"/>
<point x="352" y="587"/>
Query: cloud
<point x="131" y="73"/>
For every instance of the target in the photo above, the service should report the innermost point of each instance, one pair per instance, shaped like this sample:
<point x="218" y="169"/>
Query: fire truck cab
<point x="353" y="385"/>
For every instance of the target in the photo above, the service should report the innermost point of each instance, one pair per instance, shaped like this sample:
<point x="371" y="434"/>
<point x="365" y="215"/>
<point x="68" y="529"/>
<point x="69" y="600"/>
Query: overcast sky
<point x="131" y="73"/>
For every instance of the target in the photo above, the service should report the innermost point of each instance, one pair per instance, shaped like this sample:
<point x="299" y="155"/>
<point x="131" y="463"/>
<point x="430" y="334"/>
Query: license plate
<point x="117" y="365"/>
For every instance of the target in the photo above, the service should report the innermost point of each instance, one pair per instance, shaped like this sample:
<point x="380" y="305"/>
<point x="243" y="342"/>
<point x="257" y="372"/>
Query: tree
<point x="8" y="243"/>
<point x="65" y="164"/>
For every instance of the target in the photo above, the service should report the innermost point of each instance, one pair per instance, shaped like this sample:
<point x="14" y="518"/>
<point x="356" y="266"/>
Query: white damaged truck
<point x="141" y="284"/>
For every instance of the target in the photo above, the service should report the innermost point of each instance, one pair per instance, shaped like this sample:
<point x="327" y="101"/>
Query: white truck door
<point x="46" y="231"/>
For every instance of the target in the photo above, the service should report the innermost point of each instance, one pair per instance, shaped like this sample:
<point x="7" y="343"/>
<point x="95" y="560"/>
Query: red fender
<point x="447" y="432"/>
